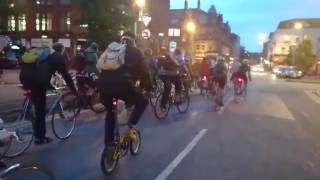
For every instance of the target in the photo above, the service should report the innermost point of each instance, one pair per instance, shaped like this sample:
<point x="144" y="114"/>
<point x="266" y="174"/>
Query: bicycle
<point x="218" y="98"/>
<point x="240" y="88"/>
<point x="63" y="118"/>
<point x="123" y="141"/>
<point x="88" y="93"/>
<point x="182" y="107"/>
<point x="6" y="138"/>
<point x="158" y="88"/>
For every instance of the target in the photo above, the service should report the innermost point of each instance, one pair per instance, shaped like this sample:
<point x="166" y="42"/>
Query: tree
<point x="5" y="11"/>
<point x="105" y="19"/>
<point x="302" y="56"/>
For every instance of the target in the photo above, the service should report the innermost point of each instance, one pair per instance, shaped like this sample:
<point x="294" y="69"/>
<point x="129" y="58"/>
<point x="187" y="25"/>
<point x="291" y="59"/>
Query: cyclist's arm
<point x="62" y="69"/>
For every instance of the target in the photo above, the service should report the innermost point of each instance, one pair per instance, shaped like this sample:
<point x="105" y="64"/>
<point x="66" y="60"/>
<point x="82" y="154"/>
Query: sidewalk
<point x="10" y="97"/>
<point x="306" y="79"/>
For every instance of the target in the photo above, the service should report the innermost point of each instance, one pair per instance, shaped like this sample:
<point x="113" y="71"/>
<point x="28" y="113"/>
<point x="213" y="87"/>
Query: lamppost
<point x="297" y="26"/>
<point x="141" y="5"/>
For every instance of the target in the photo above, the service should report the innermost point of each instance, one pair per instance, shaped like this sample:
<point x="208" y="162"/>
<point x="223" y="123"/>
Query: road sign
<point x="172" y="46"/>
<point x="146" y="33"/>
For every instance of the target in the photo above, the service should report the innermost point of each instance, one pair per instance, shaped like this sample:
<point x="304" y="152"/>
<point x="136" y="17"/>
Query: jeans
<point x="131" y="96"/>
<point x="168" y="81"/>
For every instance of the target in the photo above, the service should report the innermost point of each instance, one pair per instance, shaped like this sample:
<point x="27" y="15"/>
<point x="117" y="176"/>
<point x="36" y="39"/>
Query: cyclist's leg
<point x="166" y="92"/>
<point x="109" y="120"/>
<point x="135" y="97"/>
<point x="38" y="98"/>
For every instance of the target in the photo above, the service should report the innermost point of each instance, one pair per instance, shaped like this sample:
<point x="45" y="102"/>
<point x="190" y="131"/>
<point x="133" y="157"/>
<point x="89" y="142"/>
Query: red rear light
<point x="114" y="102"/>
<point x="240" y="80"/>
<point x="204" y="78"/>
<point x="26" y="93"/>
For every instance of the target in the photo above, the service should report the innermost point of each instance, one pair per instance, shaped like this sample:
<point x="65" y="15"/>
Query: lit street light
<point x="298" y="26"/>
<point x="191" y="27"/>
<point x="141" y="3"/>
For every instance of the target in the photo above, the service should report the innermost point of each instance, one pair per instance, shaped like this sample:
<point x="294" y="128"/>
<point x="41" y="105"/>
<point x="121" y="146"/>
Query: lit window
<point x="11" y="23"/>
<point x="174" y="32"/>
<point x="65" y="22"/>
<point x="44" y="22"/>
<point x="170" y="32"/>
<point x="22" y="24"/>
<point x="177" y="32"/>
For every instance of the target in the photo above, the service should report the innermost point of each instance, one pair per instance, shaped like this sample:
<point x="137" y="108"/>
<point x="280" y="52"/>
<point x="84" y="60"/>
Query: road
<point x="273" y="134"/>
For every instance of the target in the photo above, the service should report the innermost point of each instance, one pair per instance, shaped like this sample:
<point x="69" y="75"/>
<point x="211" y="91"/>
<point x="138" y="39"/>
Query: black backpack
<point x="243" y="69"/>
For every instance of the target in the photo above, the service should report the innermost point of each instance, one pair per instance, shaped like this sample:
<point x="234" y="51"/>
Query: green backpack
<point x="36" y="54"/>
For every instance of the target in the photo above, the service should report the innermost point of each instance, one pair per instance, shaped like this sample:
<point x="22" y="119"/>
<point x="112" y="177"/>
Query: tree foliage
<point x="105" y="19"/>
<point x="302" y="56"/>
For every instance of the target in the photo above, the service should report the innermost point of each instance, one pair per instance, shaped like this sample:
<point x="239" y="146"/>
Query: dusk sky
<point x="248" y="18"/>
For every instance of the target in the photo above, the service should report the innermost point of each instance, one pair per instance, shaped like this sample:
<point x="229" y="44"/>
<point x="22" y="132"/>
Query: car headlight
<point x="299" y="72"/>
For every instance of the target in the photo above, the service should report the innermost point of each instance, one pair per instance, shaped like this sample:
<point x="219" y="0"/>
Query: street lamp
<point x="191" y="27"/>
<point x="298" y="26"/>
<point x="141" y="3"/>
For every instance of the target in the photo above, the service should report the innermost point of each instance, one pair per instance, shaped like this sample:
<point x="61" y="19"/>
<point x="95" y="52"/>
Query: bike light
<point x="114" y="102"/>
<point x="26" y="93"/>
<point x="240" y="80"/>
<point x="204" y="78"/>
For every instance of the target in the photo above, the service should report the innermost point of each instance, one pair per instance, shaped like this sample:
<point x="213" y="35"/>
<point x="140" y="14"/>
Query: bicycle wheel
<point x="135" y="142"/>
<point x="185" y="102"/>
<point x="95" y="103"/>
<point x="26" y="171"/>
<point x="63" y="119"/>
<point x="159" y="112"/>
<point x="108" y="161"/>
<point x="19" y="124"/>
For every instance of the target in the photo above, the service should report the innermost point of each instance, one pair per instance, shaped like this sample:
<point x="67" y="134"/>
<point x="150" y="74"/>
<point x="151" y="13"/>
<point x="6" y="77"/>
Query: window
<point x="174" y="32"/>
<point x="22" y="24"/>
<point x="11" y="23"/>
<point x="65" y="22"/>
<point x="65" y="2"/>
<point x="44" y="22"/>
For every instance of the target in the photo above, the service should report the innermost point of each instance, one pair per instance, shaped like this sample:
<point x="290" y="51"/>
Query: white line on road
<point x="165" y="173"/>
<point x="225" y="105"/>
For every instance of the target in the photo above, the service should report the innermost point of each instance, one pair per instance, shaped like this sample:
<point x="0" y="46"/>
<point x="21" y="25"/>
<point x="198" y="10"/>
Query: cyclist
<point x="169" y="74"/>
<point x="204" y="72"/>
<point x="220" y="78"/>
<point x="91" y="58"/>
<point x="234" y="69"/>
<point x="120" y="83"/>
<point x="152" y="65"/>
<point x="244" y="71"/>
<point x="36" y="78"/>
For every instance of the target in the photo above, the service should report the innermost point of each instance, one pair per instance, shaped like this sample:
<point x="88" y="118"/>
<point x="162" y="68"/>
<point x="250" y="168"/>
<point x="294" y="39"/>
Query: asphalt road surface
<point x="273" y="134"/>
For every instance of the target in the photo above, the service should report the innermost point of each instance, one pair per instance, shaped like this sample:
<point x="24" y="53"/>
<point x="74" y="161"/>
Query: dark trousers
<point x="168" y="81"/>
<point x="131" y="96"/>
<point x="38" y="98"/>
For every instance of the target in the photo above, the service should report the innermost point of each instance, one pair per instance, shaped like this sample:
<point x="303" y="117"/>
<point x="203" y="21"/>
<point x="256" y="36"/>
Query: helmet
<point x="58" y="47"/>
<point x="94" y="46"/>
<point x="128" y="38"/>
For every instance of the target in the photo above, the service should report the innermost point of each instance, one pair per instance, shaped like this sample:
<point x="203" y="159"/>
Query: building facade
<point x="288" y="36"/>
<point x="47" y="21"/>
<point x="212" y="34"/>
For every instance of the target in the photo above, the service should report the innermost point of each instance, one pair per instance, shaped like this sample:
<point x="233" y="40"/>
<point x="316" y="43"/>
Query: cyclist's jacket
<point x="133" y="69"/>
<point x="39" y="75"/>
<point x="219" y="70"/>
<point x="90" y="60"/>
<point x="167" y="65"/>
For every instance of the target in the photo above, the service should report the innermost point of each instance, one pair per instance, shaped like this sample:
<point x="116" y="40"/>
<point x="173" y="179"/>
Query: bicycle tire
<point x="135" y="151"/>
<point x="105" y="162"/>
<point x="8" y="172"/>
<point x="157" y="107"/>
<point x="54" y="121"/>
<point x="92" y="105"/>
<point x="12" y="150"/>
<point x="185" y="98"/>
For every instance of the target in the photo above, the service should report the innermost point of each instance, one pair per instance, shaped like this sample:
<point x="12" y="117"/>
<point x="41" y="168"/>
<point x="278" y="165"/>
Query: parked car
<point x="8" y="63"/>
<point x="289" y="72"/>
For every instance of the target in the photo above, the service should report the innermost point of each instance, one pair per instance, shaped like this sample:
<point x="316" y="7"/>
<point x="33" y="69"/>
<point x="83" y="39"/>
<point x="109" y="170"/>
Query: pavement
<point x="306" y="79"/>
<point x="272" y="134"/>
<point x="9" y="77"/>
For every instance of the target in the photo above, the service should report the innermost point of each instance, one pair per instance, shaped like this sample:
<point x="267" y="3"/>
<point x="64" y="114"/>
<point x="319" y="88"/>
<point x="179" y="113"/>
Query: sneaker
<point x="41" y="141"/>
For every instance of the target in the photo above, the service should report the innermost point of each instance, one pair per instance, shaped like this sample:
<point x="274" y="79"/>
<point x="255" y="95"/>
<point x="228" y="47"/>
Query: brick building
<point x="212" y="34"/>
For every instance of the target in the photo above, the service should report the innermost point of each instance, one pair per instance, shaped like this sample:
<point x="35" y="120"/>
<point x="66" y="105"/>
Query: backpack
<point x="36" y="55"/>
<point x="243" y="69"/>
<point x="112" y="58"/>
<point x="79" y="62"/>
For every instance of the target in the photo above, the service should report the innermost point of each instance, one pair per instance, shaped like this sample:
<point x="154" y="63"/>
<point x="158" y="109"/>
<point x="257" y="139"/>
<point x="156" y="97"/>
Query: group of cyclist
<point x="170" y="68"/>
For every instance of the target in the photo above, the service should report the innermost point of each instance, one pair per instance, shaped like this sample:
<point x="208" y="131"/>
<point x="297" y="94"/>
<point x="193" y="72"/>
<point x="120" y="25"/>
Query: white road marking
<point x="313" y="96"/>
<point x="225" y="105"/>
<point x="166" y="172"/>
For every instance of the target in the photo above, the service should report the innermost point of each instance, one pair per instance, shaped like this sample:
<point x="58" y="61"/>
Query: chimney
<point x="199" y="4"/>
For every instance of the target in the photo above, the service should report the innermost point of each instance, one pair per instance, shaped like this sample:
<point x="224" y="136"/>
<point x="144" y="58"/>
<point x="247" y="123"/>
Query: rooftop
<point x="307" y="23"/>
